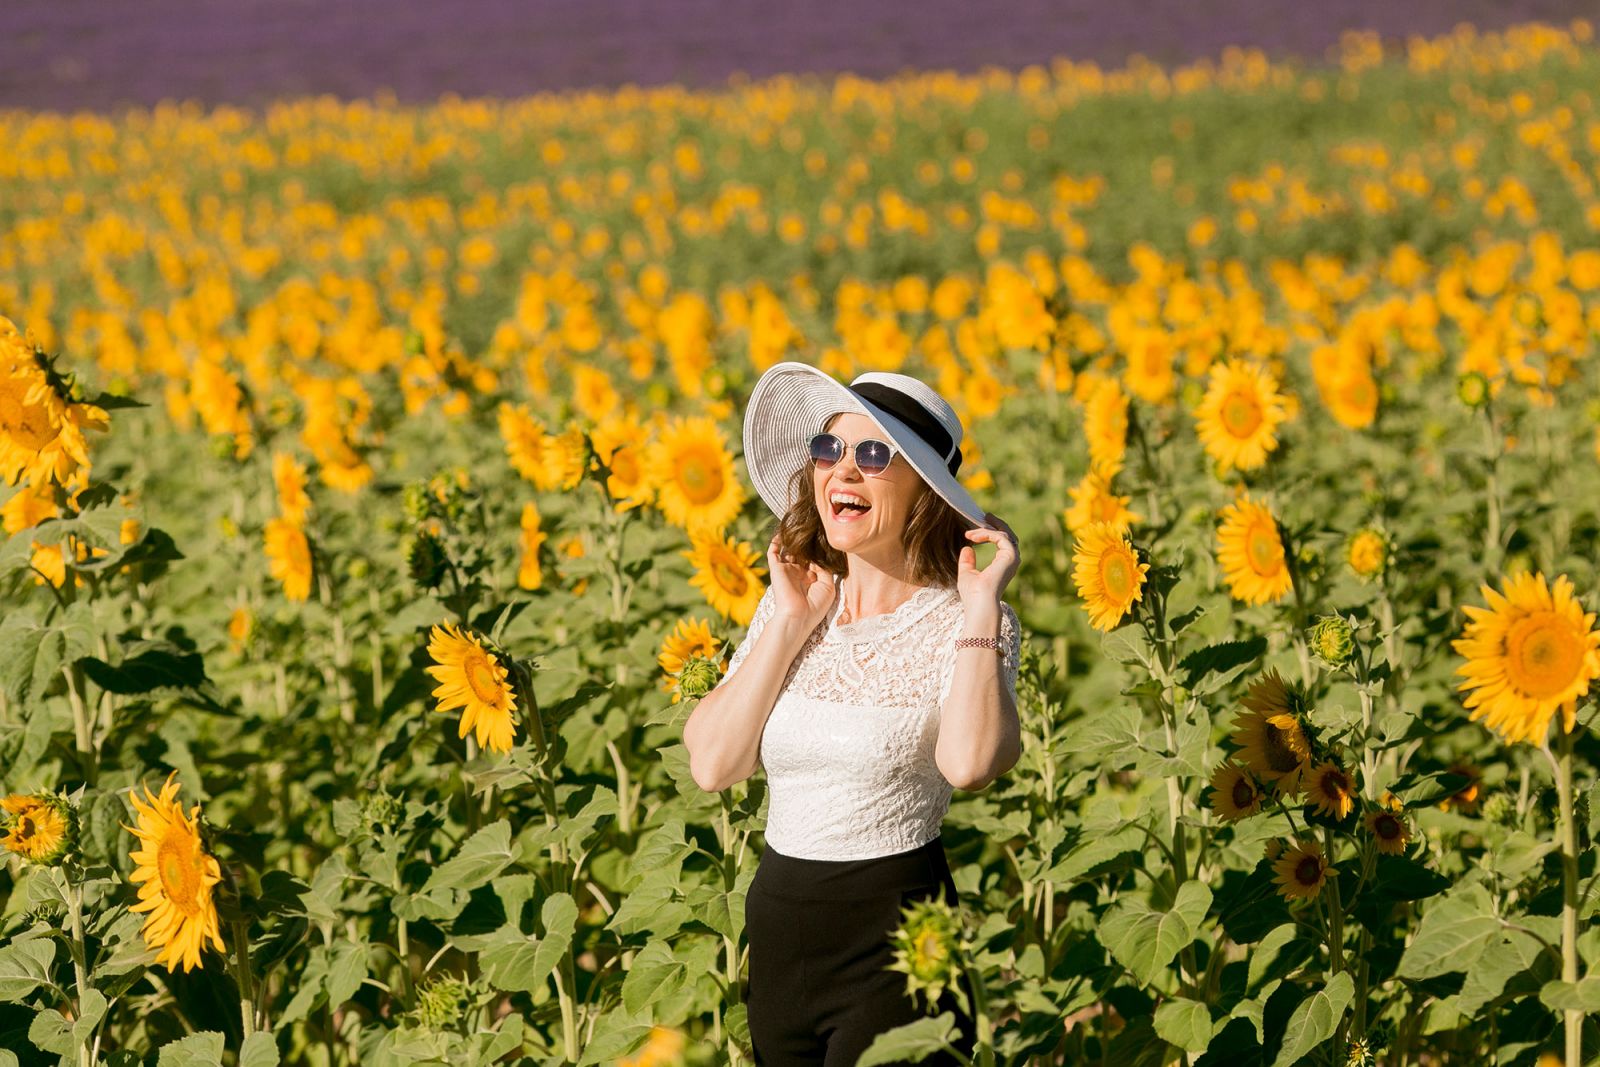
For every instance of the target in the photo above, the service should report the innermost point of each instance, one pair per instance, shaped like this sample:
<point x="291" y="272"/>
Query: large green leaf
<point x="1315" y="1019"/>
<point x="913" y="1042"/>
<point x="24" y="966"/>
<point x="1451" y="935"/>
<point x="520" y="963"/>
<point x="259" y="1050"/>
<point x="1146" y="941"/>
<point x="1185" y="1023"/>
<point x="197" y="1050"/>
<point x="482" y="856"/>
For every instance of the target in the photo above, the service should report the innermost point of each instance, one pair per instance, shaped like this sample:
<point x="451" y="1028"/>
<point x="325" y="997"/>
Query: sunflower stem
<point x="80" y="969"/>
<point x="241" y="961"/>
<point x="1569" y="893"/>
<point x="80" y="722"/>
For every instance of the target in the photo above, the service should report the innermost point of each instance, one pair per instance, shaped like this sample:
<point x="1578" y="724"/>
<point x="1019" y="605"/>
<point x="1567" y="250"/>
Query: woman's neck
<point x="867" y="590"/>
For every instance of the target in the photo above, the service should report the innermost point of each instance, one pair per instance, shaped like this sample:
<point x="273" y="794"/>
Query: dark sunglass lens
<point x="873" y="457"/>
<point x="826" y="450"/>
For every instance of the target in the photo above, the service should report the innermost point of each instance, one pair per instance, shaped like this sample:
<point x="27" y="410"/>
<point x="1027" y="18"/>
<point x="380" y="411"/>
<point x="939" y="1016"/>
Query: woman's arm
<point x="723" y="734"/>
<point x="980" y="735"/>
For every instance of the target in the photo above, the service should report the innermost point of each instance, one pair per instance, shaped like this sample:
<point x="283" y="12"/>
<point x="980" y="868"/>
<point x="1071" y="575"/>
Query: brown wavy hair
<point x="934" y="536"/>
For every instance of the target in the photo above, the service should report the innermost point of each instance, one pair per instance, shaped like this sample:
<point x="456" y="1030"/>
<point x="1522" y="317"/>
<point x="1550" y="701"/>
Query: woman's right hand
<point x="801" y="592"/>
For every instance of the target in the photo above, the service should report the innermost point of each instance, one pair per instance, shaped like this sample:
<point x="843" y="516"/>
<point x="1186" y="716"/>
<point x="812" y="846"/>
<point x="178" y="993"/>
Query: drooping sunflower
<point x="1330" y="789"/>
<point x="725" y="571"/>
<point x="1532" y="652"/>
<point x="177" y="875"/>
<point x="623" y="445"/>
<point x="43" y="826"/>
<point x="1108" y="574"/>
<point x="471" y="678"/>
<point x="1093" y="500"/>
<point x="1251" y="553"/>
<point x="1269" y="735"/>
<point x="1388" y="828"/>
<point x="1301" y="870"/>
<point x="1238" y="418"/>
<point x="530" y="575"/>
<point x="290" y="478"/>
<point x="289" y="557"/>
<point x="689" y="638"/>
<point x="693" y="470"/>
<point x="41" y="427"/>
<point x="1234" y="793"/>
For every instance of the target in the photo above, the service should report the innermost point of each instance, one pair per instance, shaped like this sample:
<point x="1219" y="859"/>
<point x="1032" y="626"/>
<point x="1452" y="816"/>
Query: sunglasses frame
<point x="850" y="450"/>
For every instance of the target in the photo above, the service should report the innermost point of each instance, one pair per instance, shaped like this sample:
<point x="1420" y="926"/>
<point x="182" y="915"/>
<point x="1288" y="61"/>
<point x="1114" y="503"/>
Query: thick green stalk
<point x="247" y="991"/>
<point x="80" y="968"/>
<point x="1569" y="894"/>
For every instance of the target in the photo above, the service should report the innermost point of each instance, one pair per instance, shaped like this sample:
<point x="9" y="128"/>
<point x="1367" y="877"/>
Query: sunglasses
<point x="872" y="456"/>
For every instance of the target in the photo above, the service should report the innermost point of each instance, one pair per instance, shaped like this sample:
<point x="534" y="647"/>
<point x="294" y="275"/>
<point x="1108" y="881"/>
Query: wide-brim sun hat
<point x="792" y="401"/>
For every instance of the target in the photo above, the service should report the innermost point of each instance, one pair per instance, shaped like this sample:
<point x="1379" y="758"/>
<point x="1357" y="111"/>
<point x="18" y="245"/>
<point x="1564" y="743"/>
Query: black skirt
<point x="819" y="932"/>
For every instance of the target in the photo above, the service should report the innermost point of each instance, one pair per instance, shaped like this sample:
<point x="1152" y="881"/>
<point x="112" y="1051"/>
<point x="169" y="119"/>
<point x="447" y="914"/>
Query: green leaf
<point x="1185" y="1023"/>
<point x="1583" y="995"/>
<point x="1146" y="941"/>
<point x="91" y="1009"/>
<point x="30" y="655"/>
<point x="1276" y="954"/>
<point x="483" y="855"/>
<point x="147" y="666"/>
<point x="1451" y="935"/>
<point x="1220" y="658"/>
<point x="1400" y="878"/>
<point x="519" y="963"/>
<point x="197" y="1050"/>
<point x="617" y="1034"/>
<point x="24" y="966"/>
<point x="346" y="970"/>
<point x="655" y="975"/>
<point x="50" y="1032"/>
<point x="1315" y="1020"/>
<point x="912" y="1042"/>
<point x="258" y="1050"/>
<point x="1091" y="856"/>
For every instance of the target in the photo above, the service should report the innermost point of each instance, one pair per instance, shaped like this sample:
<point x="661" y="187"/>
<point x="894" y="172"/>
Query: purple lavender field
<point x="105" y="54"/>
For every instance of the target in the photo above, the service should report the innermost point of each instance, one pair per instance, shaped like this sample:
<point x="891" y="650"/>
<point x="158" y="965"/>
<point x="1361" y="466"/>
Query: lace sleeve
<point x="758" y="620"/>
<point x="1010" y="640"/>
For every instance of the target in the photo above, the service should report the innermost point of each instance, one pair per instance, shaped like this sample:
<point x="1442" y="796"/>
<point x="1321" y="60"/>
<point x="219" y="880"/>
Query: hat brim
<point x="792" y="401"/>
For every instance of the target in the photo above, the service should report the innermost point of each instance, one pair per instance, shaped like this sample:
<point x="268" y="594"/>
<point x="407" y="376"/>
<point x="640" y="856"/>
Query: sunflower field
<point x="374" y="516"/>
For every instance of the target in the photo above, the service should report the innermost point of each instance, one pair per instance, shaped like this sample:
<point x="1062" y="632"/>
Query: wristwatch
<point x="982" y="642"/>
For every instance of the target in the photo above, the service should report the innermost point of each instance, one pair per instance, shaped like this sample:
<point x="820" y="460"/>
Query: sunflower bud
<point x="417" y="504"/>
<point x="1501" y="808"/>
<point x="927" y="949"/>
<point x="1472" y="389"/>
<point x="380" y="808"/>
<point x="42" y="827"/>
<point x="441" y="1001"/>
<point x="1361" y="1053"/>
<point x="426" y="561"/>
<point x="1332" y="640"/>
<point x="697" y="678"/>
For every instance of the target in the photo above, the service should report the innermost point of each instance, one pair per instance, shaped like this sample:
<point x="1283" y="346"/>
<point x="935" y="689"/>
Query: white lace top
<point x="848" y="748"/>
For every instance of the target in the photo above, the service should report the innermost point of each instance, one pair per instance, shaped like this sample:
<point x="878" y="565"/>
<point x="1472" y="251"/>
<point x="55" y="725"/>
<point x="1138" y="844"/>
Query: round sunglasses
<point x="872" y="456"/>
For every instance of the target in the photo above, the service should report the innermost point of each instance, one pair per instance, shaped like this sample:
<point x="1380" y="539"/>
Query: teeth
<point x="848" y="498"/>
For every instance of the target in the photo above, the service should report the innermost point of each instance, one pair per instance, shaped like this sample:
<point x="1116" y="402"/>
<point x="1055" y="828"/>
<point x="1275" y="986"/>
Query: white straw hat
<point x="792" y="401"/>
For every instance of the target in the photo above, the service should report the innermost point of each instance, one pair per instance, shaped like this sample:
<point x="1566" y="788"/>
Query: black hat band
<point x="914" y="415"/>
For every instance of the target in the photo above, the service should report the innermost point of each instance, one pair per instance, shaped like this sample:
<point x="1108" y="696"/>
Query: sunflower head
<point x="40" y="827"/>
<point x="1251" y="550"/>
<point x="1331" y="790"/>
<point x="698" y="677"/>
<point x="1301" y="870"/>
<point x="1109" y="574"/>
<point x="1388" y="829"/>
<point x="176" y="874"/>
<point x="426" y="559"/>
<point x="473" y="678"/>
<point x="1531" y="653"/>
<point x="928" y="945"/>
<point x="1271" y="733"/>
<point x="1367" y="553"/>
<point x="1472" y="389"/>
<point x="442" y="1001"/>
<point x="1332" y="640"/>
<point x="1235" y="794"/>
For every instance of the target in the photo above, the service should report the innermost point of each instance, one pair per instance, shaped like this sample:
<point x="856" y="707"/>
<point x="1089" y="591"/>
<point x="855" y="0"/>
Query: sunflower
<point x="289" y="557"/>
<point x="1105" y="425"/>
<point x="623" y="446"/>
<point x="471" y="678"/>
<point x="1251" y="552"/>
<point x="1270" y="738"/>
<point x="526" y="441"/>
<point x="1367" y="553"/>
<point x="725" y="571"/>
<point x="41" y="430"/>
<point x="1234" y="793"/>
<point x="529" y="574"/>
<point x="1331" y="790"/>
<point x="1301" y="870"/>
<point x="1238" y="418"/>
<point x="690" y="637"/>
<point x="1464" y="799"/>
<point x="693" y="470"/>
<point x="1532" y="652"/>
<point x="1094" y="501"/>
<point x="43" y="826"/>
<point x="178" y="874"/>
<point x="1108" y="574"/>
<point x="1388" y="829"/>
<point x="566" y="457"/>
<point x="290" y="478"/>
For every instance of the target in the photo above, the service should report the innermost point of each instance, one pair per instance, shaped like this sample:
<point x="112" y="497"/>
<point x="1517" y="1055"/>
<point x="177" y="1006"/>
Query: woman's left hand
<point x="979" y="588"/>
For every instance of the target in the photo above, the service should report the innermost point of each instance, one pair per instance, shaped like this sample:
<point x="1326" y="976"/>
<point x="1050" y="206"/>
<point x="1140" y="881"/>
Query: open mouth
<point x="847" y="508"/>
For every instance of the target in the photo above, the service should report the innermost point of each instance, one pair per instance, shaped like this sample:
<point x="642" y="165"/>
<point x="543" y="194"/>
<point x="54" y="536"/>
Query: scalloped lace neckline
<point x="882" y="617"/>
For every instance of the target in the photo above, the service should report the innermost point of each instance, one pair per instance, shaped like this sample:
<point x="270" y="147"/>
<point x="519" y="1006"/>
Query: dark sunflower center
<point x="1386" y="826"/>
<point x="1244" y="794"/>
<point x="1308" y="870"/>
<point x="1280" y="752"/>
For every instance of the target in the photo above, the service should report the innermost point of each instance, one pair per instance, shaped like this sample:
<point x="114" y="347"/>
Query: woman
<point x="867" y="688"/>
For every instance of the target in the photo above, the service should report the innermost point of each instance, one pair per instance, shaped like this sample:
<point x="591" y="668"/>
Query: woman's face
<point x="888" y="496"/>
